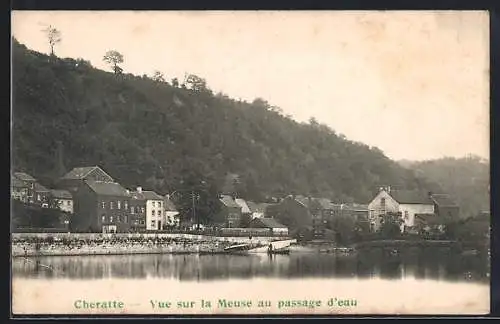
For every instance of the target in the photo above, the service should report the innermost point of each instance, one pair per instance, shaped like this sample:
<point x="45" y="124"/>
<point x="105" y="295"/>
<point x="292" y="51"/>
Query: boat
<point x="279" y="251"/>
<point x="238" y="249"/>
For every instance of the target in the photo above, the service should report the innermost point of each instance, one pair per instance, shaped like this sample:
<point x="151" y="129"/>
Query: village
<point x="91" y="201"/>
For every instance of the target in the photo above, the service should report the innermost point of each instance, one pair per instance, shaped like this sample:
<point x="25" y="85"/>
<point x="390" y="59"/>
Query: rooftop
<point x="15" y="182"/>
<point x="244" y="207"/>
<point x="107" y="188"/>
<point x="24" y="176"/>
<point x="257" y="207"/>
<point x="169" y="205"/>
<point x="61" y="194"/>
<point x="411" y="197"/>
<point x="443" y="200"/>
<point x="146" y="195"/>
<point x="40" y="188"/>
<point x="269" y="222"/>
<point x="228" y="201"/>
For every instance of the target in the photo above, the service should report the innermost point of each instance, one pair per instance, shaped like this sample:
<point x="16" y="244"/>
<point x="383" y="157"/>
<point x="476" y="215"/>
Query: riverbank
<point x="61" y="244"/>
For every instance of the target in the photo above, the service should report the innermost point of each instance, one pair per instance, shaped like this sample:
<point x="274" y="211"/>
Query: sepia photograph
<point x="250" y="163"/>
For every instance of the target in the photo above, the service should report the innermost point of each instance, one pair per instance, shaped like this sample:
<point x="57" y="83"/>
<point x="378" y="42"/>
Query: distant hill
<point x="165" y="138"/>
<point x="467" y="179"/>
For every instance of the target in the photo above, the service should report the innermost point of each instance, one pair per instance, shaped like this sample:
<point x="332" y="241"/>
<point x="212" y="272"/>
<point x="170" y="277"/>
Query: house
<point x="153" y="207"/>
<point x="258" y="210"/>
<point x="77" y="176"/>
<point x="406" y="202"/>
<point x="63" y="199"/>
<point x="271" y="224"/>
<point x="292" y="211"/>
<point x="322" y="212"/>
<point x="445" y="207"/>
<point x="101" y="206"/>
<point x="18" y="189"/>
<point x="172" y="215"/>
<point x="137" y="206"/>
<point x="28" y="187"/>
<point x="41" y="195"/>
<point x="230" y="212"/>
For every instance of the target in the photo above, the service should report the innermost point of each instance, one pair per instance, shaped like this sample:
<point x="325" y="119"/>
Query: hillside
<point x="467" y="179"/>
<point x="149" y="133"/>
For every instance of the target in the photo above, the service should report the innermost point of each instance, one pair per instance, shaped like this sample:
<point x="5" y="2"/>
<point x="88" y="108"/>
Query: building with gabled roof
<point x="153" y="206"/>
<point x="101" y="206"/>
<point x="63" y="199"/>
<point x="406" y="202"/>
<point x="445" y="207"/>
<point x="75" y="178"/>
<point x="230" y="212"/>
<point x="172" y="216"/>
<point x="273" y="225"/>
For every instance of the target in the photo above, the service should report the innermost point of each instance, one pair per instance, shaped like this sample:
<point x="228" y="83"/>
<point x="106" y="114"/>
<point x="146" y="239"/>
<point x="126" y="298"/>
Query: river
<point x="422" y="283"/>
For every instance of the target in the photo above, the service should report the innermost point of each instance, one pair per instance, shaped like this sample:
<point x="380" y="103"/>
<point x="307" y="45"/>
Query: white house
<point x="172" y="216"/>
<point x="64" y="200"/>
<point x="408" y="203"/>
<point x="155" y="210"/>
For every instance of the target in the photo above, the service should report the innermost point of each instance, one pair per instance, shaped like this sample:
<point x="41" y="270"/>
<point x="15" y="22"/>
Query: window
<point x="103" y="218"/>
<point x="159" y="204"/>
<point x="158" y="213"/>
<point x="142" y="210"/>
<point x="407" y="215"/>
<point x="111" y="219"/>
<point x="125" y="203"/>
<point x="111" y="205"/>
<point x="131" y="209"/>
<point x="153" y="223"/>
<point x="119" y="204"/>
<point x="152" y="213"/>
<point x="141" y="222"/>
<point x="125" y="219"/>
<point x="39" y="197"/>
<point x="103" y="204"/>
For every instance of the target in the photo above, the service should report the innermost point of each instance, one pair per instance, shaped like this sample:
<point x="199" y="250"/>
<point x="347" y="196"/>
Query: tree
<point x="114" y="58"/>
<point x="158" y="76"/>
<point x="175" y="82"/>
<point x="196" y="83"/>
<point x="53" y="36"/>
<point x="390" y="225"/>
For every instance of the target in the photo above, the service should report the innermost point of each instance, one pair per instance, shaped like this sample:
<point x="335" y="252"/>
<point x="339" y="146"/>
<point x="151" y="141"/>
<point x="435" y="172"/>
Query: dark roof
<point x="269" y="222"/>
<point x="169" y="205"/>
<point x="80" y="173"/>
<point x="107" y="188"/>
<point x="61" y="194"/>
<point x="151" y="195"/>
<point x="15" y="182"/>
<point x="356" y="207"/>
<point x="411" y="197"/>
<point x="228" y="201"/>
<point x="443" y="200"/>
<point x="24" y="176"/>
<point x="40" y="188"/>
<point x="324" y="203"/>
<point x="257" y="207"/>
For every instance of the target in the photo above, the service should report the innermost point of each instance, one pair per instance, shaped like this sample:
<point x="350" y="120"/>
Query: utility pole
<point x="194" y="210"/>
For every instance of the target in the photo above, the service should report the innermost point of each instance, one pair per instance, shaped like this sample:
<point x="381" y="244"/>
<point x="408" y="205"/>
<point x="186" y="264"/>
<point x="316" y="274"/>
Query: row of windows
<point x="112" y="204"/>
<point x="137" y="210"/>
<point x="110" y="219"/>
<point x="125" y="205"/>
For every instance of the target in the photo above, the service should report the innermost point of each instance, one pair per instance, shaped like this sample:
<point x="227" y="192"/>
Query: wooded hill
<point x="466" y="179"/>
<point x="165" y="138"/>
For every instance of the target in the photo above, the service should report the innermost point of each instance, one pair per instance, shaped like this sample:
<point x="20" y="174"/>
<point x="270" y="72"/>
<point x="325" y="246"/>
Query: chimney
<point x="139" y="189"/>
<point x="388" y="189"/>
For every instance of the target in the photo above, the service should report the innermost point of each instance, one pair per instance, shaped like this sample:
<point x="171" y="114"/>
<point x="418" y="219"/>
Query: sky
<point x="414" y="84"/>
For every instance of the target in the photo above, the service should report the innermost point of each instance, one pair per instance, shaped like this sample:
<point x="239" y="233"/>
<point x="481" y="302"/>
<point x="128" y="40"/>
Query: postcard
<point x="250" y="162"/>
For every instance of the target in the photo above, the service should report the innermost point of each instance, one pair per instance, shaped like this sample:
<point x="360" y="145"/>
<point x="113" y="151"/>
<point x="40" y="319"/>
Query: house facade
<point x="291" y="211"/>
<point x="137" y="213"/>
<point x="154" y="208"/>
<point x="407" y="203"/>
<point x="445" y="207"/>
<point x="29" y="185"/>
<point x="18" y="189"/>
<point x="258" y="210"/>
<point x="63" y="199"/>
<point x="101" y="207"/>
<point x="172" y="215"/>
<point x="271" y="224"/>
<point x="230" y="212"/>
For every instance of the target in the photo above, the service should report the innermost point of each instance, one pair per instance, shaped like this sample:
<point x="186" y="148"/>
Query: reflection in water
<point x="421" y="265"/>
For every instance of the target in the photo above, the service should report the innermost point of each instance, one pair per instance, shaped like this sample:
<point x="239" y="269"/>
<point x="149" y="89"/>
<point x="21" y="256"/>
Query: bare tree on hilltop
<point x="114" y="58"/>
<point x="53" y="36"/>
